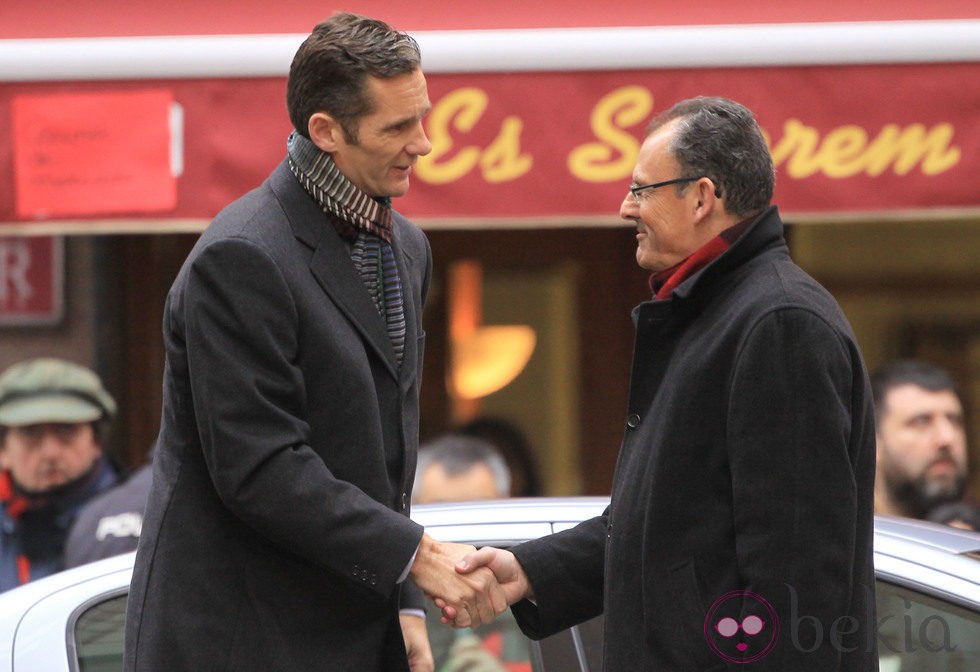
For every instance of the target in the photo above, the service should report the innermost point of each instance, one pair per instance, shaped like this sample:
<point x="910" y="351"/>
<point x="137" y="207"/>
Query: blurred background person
<point x="921" y="440"/>
<point x="54" y="417"/>
<point x="110" y="524"/>
<point x="515" y="449"/>
<point x="457" y="468"/>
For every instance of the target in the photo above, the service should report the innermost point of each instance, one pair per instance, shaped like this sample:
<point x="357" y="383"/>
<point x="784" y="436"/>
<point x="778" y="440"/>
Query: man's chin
<point x="918" y="497"/>
<point x="945" y="488"/>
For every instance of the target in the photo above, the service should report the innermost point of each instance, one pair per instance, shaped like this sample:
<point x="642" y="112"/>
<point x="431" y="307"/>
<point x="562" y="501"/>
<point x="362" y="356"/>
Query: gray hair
<point x="457" y="454"/>
<point x="330" y="69"/>
<point x="720" y="139"/>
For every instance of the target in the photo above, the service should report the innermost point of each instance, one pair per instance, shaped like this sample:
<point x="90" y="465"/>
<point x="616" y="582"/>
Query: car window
<point x="98" y="636"/>
<point x="578" y="648"/>
<point x="921" y="633"/>
<point x="502" y="647"/>
<point x="496" y="647"/>
<point x="916" y="633"/>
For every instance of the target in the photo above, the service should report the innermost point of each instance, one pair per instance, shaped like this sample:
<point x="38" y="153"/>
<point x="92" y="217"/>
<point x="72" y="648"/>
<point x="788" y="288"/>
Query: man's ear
<point x="325" y="131"/>
<point x="705" y="200"/>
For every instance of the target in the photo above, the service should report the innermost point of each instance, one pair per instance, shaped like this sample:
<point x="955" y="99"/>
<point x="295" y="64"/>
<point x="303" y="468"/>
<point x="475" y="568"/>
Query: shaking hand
<point x="512" y="581"/>
<point x="474" y="596"/>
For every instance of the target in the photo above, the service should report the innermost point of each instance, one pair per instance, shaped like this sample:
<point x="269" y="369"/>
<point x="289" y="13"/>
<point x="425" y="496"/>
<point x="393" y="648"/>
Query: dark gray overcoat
<point x="277" y="525"/>
<point x="744" y="484"/>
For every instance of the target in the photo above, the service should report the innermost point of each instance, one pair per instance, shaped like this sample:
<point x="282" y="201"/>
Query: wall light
<point x="489" y="359"/>
<point x="483" y="359"/>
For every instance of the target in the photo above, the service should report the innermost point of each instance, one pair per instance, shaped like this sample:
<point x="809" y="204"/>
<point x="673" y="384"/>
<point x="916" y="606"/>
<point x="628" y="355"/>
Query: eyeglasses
<point x="636" y="189"/>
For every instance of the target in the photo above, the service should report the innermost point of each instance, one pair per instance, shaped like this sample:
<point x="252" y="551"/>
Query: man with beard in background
<point x="921" y="440"/>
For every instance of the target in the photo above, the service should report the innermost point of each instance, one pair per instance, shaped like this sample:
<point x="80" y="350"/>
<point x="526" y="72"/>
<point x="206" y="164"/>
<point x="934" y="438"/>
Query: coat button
<point x="633" y="421"/>
<point x="404" y="501"/>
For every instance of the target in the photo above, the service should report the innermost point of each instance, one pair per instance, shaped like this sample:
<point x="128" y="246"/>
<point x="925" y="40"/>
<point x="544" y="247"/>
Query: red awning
<point x="123" y="18"/>
<point x="534" y="124"/>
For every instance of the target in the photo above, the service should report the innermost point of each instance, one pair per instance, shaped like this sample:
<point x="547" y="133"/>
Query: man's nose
<point x="50" y="445"/>
<point x="948" y="432"/>
<point x="420" y="145"/>
<point x="629" y="209"/>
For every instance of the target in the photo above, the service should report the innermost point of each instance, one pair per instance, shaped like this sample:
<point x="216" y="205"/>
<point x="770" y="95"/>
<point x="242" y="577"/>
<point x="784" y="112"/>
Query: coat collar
<point x="765" y="233"/>
<point x="331" y="265"/>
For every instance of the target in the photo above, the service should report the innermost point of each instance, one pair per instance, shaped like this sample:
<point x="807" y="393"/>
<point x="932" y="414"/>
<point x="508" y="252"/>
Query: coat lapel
<point x="332" y="268"/>
<point x="331" y="265"/>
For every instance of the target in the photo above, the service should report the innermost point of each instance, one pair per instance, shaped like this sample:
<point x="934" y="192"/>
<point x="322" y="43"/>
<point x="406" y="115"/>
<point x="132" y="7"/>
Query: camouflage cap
<point x="52" y="390"/>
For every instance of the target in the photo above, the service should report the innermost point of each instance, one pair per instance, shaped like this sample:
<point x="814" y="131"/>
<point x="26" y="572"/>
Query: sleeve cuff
<point x="408" y="567"/>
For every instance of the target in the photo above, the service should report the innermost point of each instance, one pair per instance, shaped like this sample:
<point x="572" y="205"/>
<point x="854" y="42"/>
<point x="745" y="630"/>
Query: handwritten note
<point x="82" y="154"/>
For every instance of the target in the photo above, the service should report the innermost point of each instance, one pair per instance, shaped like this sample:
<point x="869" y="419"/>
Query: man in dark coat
<point x="276" y="533"/>
<point x="740" y="523"/>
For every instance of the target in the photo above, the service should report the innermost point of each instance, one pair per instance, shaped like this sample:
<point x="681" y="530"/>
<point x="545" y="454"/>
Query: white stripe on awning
<point x="180" y="57"/>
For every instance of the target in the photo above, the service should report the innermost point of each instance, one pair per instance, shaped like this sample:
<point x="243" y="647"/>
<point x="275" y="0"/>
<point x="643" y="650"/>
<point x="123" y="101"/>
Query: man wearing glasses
<point x="744" y="488"/>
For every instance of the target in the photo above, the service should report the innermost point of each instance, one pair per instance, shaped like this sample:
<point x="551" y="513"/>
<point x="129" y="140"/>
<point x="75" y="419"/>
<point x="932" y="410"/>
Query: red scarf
<point x="663" y="283"/>
<point x="15" y="503"/>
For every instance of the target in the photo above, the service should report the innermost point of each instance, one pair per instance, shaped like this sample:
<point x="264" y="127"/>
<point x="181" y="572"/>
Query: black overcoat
<point x="277" y="525"/>
<point x="745" y="478"/>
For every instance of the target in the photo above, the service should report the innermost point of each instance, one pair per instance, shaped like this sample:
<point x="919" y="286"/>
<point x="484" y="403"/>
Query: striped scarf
<point x="363" y="221"/>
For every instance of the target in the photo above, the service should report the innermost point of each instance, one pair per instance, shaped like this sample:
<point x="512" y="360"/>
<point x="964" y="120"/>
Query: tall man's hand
<point x="507" y="570"/>
<point x="474" y="596"/>
<point x="417" y="643"/>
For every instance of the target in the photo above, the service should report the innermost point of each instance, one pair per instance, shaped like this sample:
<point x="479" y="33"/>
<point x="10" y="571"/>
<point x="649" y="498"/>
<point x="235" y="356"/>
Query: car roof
<point x="507" y="521"/>
<point x="922" y="555"/>
<point x="924" y="533"/>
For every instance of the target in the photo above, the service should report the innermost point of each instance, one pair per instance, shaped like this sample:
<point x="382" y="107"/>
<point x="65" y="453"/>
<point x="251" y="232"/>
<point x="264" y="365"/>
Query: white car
<point x="928" y="593"/>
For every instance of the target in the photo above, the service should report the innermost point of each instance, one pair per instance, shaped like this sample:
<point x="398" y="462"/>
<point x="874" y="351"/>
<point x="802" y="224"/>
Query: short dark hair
<point x="329" y="70"/>
<point x="720" y="139"/>
<point x="909" y="372"/>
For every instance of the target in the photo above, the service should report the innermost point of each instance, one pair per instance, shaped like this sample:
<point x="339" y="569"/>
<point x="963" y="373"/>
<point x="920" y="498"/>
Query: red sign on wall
<point x="81" y="154"/>
<point x="31" y="281"/>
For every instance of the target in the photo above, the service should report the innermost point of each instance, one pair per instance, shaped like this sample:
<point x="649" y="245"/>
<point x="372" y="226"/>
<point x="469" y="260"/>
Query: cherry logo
<point x="741" y="627"/>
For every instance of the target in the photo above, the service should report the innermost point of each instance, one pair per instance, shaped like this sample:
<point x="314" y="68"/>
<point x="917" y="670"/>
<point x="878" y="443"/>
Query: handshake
<point x="470" y="586"/>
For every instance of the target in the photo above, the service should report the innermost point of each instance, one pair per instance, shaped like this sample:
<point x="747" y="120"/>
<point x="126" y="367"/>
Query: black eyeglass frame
<point x="677" y="180"/>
